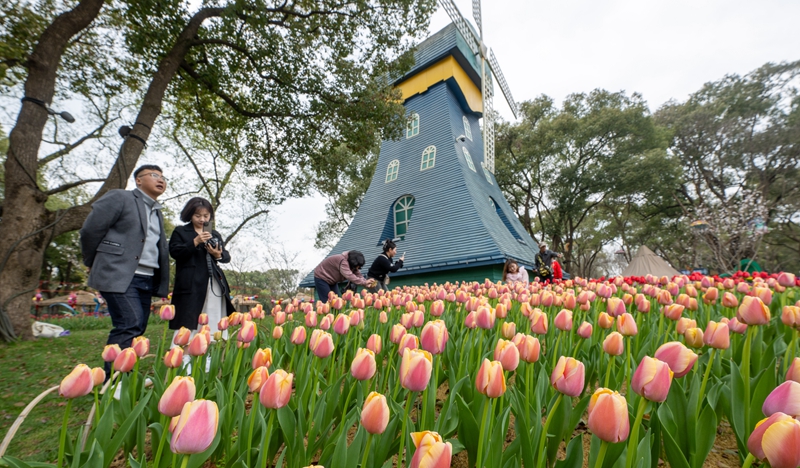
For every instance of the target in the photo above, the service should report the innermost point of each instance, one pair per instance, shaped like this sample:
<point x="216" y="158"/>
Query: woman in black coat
<point x="383" y="265"/>
<point x="197" y="253"/>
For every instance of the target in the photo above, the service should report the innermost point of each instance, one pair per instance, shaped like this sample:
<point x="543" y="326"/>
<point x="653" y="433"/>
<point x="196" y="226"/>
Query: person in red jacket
<point x="557" y="273"/>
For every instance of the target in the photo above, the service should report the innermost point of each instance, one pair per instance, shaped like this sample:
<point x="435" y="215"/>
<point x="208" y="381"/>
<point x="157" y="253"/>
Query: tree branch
<point x="65" y="187"/>
<point x="245" y="221"/>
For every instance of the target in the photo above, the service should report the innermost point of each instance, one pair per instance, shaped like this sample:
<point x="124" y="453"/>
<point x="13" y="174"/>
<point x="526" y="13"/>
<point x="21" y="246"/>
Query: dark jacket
<point x="383" y="266"/>
<point x="112" y="240"/>
<point x="191" y="277"/>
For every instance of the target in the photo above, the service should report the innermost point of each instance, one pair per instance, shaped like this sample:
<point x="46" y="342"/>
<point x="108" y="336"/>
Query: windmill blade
<point x="476" y="14"/>
<point x="461" y="24"/>
<point x="501" y="80"/>
<point x="488" y="125"/>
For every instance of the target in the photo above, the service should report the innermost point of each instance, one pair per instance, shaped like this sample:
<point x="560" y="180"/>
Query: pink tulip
<point x="711" y="295"/>
<point x="568" y="376"/>
<point x="321" y="343"/>
<point x="614" y="344"/>
<point x="415" y="369"/>
<point x="585" y="330"/>
<point x="793" y="372"/>
<point x="375" y="413"/>
<point x="262" y="358"/>
<point x="484" y="317"/>
<point x="694" y="338"/>
<point x="529" y="347"/>
<point x="501" y="311"/>
<point x="508" y="330"/>
<point x="717" y="335"/>
<point x="198" y="345"/>
<point x="434" y="336"/>
<point x="298" y="335"/>
<point x="763" y="293"/>
<point x="470" y="321"/>
<point x="179" y="392"/>
<point x="790" y="316"/>
<point x="202" y="319"/>
<point x="248" y="332"/>
<point x="235" y="318"/>
<point x="408" y="341"/>
<point x="363" y="366"/>
<point x="77" y="383"/>
<point x="196" y="427"/>
<point x="678" y="357"/>
<point x="776" y="438"/>
<point x="407" y="320"/>
<point x="355" y="317"/>
<point x="375" y="343"/>
<point x="341" y="324"/>
<point x="673" y="311"/>
<point x="605" y="321"/>
<point x="563" y="320"/>
<point x="652" y="379"/>
<point x="277" y="332"/>
<point x="125" y="360"/>
<point x="615" y="306"/>
<point x="432" y="451"/>
<point x="608" y="416"/>
<point x="626" y="325"/>
<point x="437" y="308"/>
<point x="685" y="323"/>
<point x="418" y="317"/>
<point x="173" y="359"/>
<point x="753" y="311"/>
<point x="508" y="354"/>
<point x="382" y="317"/>
<point x="729" y="300"/>
<point x="277" y="390"/>
<point x="98" y="376"/>
<point x="311" y="320"/>
<point x="397" y="332"/>
<point x="785" y="398"/>
<point x="539" y="322"/>
<point x="110" y="352"/>
<point x="141" y="345"/>
<point x="257" y="378"/>
<point x="167" y="312"/>
<point x="490" y="379"/>
<point x="279" y="317"/>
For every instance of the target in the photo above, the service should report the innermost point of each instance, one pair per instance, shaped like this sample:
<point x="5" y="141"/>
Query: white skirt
<point x="214" y="307"/>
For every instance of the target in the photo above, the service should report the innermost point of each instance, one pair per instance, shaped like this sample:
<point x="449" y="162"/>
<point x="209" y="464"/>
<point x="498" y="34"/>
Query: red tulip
<point x="77" y="383"/>
<point x="179" y="392"/>
<point x="196" y="427"/>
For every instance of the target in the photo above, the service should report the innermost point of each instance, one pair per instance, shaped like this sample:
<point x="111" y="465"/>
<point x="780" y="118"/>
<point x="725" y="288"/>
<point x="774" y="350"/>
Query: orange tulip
<point x="277" y="332"/>
<point x="605" y="321"/>
<point x="432" y="451"/>
<point x="415" y="369"/>
<point x="257" y="378"/>
<point x="568" y="376"/>
<point x="98" y="376"/>
<point x="608" y="416"/>
<point x="77" y="383"/>
<point x="375" y="413"/>
<point x="507" y="353"/>
<point x="179" y="392"/>
<point x="363" y="366"/>
<point x="277" y="389"/>
<point x="262" y="358"/>
<point x="652" y="379"/>
<point x="195" y="428"/>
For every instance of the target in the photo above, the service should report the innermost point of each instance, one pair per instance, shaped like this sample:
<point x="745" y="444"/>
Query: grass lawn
<point x="29" y="368"/>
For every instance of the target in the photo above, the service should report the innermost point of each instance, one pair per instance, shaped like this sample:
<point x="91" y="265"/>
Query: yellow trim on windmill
<point x="441" y="71"/>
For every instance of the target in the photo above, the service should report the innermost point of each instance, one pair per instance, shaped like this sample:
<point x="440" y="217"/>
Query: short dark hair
<point x="388" y="245"/>
<point x="144" y="167"/>
<point x="193" y="205"/>
<point x="355" y="259"/>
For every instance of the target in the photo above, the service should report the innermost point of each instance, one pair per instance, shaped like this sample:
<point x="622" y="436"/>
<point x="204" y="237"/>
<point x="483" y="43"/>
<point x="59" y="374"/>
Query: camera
<point x="213" y="242"/>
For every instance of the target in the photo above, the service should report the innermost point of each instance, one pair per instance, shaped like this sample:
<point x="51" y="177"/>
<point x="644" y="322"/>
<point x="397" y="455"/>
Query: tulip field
<point x="625" y="373"/>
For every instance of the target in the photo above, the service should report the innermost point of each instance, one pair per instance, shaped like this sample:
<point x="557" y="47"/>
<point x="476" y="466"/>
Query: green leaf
<point x="671" y="447"/>
<point x="643" y="452"/>
<point x="574" y="456"/>
<point x="613" y="454"/>
<point x="15" y="463"/>
<point x="112" y="447"/>
<point x="340" y="453"/>
<point x="468" y="429"/>
<point x="706" y="433"/>
<point x="498" y="438"/>
<point x="736" y="413"/>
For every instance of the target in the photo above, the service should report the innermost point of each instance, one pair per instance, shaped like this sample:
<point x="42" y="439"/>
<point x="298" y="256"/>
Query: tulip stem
<point x="601" y="455"/>
<point x="164" y="429"/>
<point x="267" y="437"/>
<point x="185" y="461"/>
<point x="748" y="462"/>
<point x="236" y="365"/>
<point x="746" y="377"/>
<point x="540" y="453"/>
<point x="555" y="350"/>
<point x="254" y="413"/>
<point x="133" y="385"/>
<point x="486" y="409"/>
<point x="403" y="431"/>
<point x="97" y="407"/>
<point x="627" y="366"/>
<point x="63" y="442"/>
<point x="705" y="381"/>
<point x="366" y="451"/>
<point x="633" y="439"/>
<point x="528" y="390"/>
<point x="789" y="354"/>
<point x="608" y="370"/>
<point x="346" y="402"/>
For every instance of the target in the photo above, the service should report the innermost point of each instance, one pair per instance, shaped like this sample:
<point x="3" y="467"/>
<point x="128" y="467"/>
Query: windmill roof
<point x="646" y="262"/>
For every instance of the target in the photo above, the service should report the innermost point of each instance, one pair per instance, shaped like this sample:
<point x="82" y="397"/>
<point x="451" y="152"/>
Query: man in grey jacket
<point x="125" y="247"/>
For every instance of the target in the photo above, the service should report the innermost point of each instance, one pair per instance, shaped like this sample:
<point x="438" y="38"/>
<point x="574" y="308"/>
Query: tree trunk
<point x="25" y="228"/>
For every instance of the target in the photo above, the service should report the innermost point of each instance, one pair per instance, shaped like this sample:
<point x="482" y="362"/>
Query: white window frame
<point x="391" y="170"/>
<point x="486" y="173"/>
<point x="468" y="158"/>
<point x="407" y="202"/>
<point x="467" y="127"/>
<point x="430" y="152"/>
<point x="412" y="126"/>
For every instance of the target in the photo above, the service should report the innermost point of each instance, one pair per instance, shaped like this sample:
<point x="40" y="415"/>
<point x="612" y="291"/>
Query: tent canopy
<point x="645" y="262"/>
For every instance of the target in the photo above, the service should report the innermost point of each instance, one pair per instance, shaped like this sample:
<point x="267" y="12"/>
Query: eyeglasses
<point x="156" y="176"/>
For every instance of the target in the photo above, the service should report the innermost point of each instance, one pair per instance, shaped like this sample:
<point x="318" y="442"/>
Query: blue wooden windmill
<point x="434" y="190"/>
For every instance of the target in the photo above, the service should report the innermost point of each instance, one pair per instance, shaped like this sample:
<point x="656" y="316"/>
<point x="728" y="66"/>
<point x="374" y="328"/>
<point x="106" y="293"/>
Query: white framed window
<point x="469" y="159"/>
<point x="391" y="171"/>
<point x="412" y="126"/>
<point x="403" y="209"/>
<point x="428" y="158"/>
<point x="467" y="128"/>
<point x="486" y="173"/>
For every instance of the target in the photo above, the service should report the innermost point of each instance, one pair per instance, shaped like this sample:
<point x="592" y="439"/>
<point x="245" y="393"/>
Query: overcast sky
<point x="661" y="49"/>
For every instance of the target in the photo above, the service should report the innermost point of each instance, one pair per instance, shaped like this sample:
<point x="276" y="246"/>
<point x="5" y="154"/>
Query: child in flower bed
<point x="513" y="273"/>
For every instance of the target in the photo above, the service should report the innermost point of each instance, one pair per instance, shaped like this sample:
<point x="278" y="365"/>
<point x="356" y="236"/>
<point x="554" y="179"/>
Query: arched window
<point x="391" y="171"/>
<point x="412" y="126"/>
<point x="428" y="158"/>
<point x="467" y="128"/>
<point x="486" y="173"/>
<point x="469" y="159"/>
<point x="403" y="208"/>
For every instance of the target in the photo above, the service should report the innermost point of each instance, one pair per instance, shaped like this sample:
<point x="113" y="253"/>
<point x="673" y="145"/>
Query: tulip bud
<point x="415" y="369"/>
<point x="484" y="317"/>
<point x="125" y="360"/>
<point x="257" y="379"/>
<point x="729" y="300"/>
<point x="785" y="398"/>
<point x="110" y="352"/>
<point x="277" y="332"/>
<point x="673" y="311"/>
<point x="507" y="353"/>
<point x="321" y="343"/>
<point x="202" y="319"/>
<point x="196" y="427"/>
<point x="539" y="322"/>
<point x="434" y="336"/>
<point x="262" y="358"/>
<point x="248" y="332"/>
<point x="508" y="330"/>
<point x="652" y="379"/>
<point x="141" y="345"/>
<point x="568" y="376"/>
<point x="694" y="338"/>
<point x="408" y="341"/>
<point x="793" y="372"/>
<point x="375" y="343"/>
<point x="490" y="379"/>
<point x="605" y="321"/>
<point x="167" y="312"/>
<point x="198" y="345"/>
<point x="753" y="311"/>
<point x="182" y="337"/>
<point x="790" y="316"/>
<point x="173" y="358"/>
<point x="614" y="344"/>
<point x="298" y="335"/>
<point x="615" y="306"/>
<point x="763" y="293"/>
<point x="78" y="382"/>
<point x="396" y="333"/>
<point x="431" y="452"/>
<point x="585" y="330"/>
<point x="382" y="317"/>
<point x="363" y="366"/>
<point x="470" y="321"/>
<point x="563" y="320"/>
<point x="608" y="416"/>
<point x="180" y="391"/>
<point x="626" y="325"/>
<point x="678" y="357"/>
<point x="375" y="413"/>
<point x="277" y="389"/>
<point x="98" y="376"/>
<point x="529" y="347"/>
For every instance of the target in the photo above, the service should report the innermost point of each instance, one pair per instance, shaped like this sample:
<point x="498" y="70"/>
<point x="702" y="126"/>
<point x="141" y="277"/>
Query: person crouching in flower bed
<point x="513" y="273"/>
